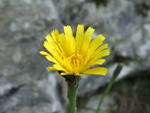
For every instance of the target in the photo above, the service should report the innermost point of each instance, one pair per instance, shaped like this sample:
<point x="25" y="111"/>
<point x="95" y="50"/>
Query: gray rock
<point x="73" y="17"/>
<point x="108" y="101"/>
<point x="129" y="43"/>
<point x="91" y="83"/>
<point x="13" y="27"/>
<point x="92" y="103"/>
<point x="38" y="97"/>
<point x="146" y="2"/>
<point x="25" y="85"/>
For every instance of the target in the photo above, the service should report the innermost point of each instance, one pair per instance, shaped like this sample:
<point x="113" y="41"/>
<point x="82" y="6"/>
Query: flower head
<point x="74" y="56"/>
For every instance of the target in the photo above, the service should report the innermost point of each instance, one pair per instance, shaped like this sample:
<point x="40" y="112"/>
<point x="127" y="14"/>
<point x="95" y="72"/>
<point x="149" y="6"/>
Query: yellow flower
<point x="74" y="56"/>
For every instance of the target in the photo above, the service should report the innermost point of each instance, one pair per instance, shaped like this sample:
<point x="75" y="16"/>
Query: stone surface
<point x="128" y="37"/>
<point x="108" y="102"/>
<point x="32" y="97"/>
<point x="26" y="86"/>
<point x="92" y="103"/>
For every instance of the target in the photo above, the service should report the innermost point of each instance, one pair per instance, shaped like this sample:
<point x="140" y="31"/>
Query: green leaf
<point x="115" y="74"/>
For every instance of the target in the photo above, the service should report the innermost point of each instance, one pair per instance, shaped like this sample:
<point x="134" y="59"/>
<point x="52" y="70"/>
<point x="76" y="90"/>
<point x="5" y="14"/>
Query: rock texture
<point x="26" y="86"/>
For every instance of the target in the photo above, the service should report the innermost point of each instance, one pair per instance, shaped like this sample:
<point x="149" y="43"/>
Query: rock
<point x="39" y="25"/>
<point x="49" y="86"/>
<point x="92" y="103"/>
<point x="146" y="2"/>
<point x="73" y="17"/>
<point x="118" y="20"/>
<point x="13" y="27"/>
<point x="5" y="88"/>
<point x="91" y="83"/>
<point x="17" y="56"/>
<point x="48" y="10"/>
<point x="26" y="16"/>
<point x="38" y="97"/>
<point x="129" y="43"/>
<point x="24" y="25"/>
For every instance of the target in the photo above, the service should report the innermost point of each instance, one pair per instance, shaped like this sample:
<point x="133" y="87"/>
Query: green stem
<point x="72" y="91"/>
<point x="116" y="73"/>
<point x="73" y="82"/>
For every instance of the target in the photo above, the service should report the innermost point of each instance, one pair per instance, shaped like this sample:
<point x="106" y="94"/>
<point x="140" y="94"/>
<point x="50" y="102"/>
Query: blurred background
<point x="27" y="87"/>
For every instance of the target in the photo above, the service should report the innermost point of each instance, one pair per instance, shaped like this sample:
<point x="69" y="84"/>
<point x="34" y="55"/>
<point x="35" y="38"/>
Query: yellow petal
<point x="101" y="54"/>
<point x="63" y="74"/>
<point x="100" y="49"/>
<point x="72" y="46"/>
<point x="59" y="67"/>
<point x="63" y="43"/>
<point x="97" y="71"/>
<point x="85" y="45"/>
<point x="55" y="35"/>
<point x="50" y="58"/>
<point x="89" y="32"/>
<point x="52" y="42"/>
<point x="79" y="35"/>
<point x="51" y="68"/>
<point x="53" y="50"/>
<point x="96" y="42"/>
<point x="56" y="38"/>
<point x="44" y="53"/>
<point x="94" y="45"/>
<point x="83" y="67"/>
<point x="70" y="41"/>
<point x="49" y="39"/>
<point x="77" y="74"/>
<point x="86" y="41"/>
<point x="98" y="62"/>
<point x="68" y="32"/>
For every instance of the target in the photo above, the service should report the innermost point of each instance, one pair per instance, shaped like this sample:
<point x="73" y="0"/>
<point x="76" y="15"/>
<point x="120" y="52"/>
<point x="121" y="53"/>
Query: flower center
<point x="75" y="60"/>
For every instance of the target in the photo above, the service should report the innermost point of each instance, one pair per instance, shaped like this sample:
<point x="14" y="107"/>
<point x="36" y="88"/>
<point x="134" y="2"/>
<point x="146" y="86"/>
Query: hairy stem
<point x="73" y="82"/>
